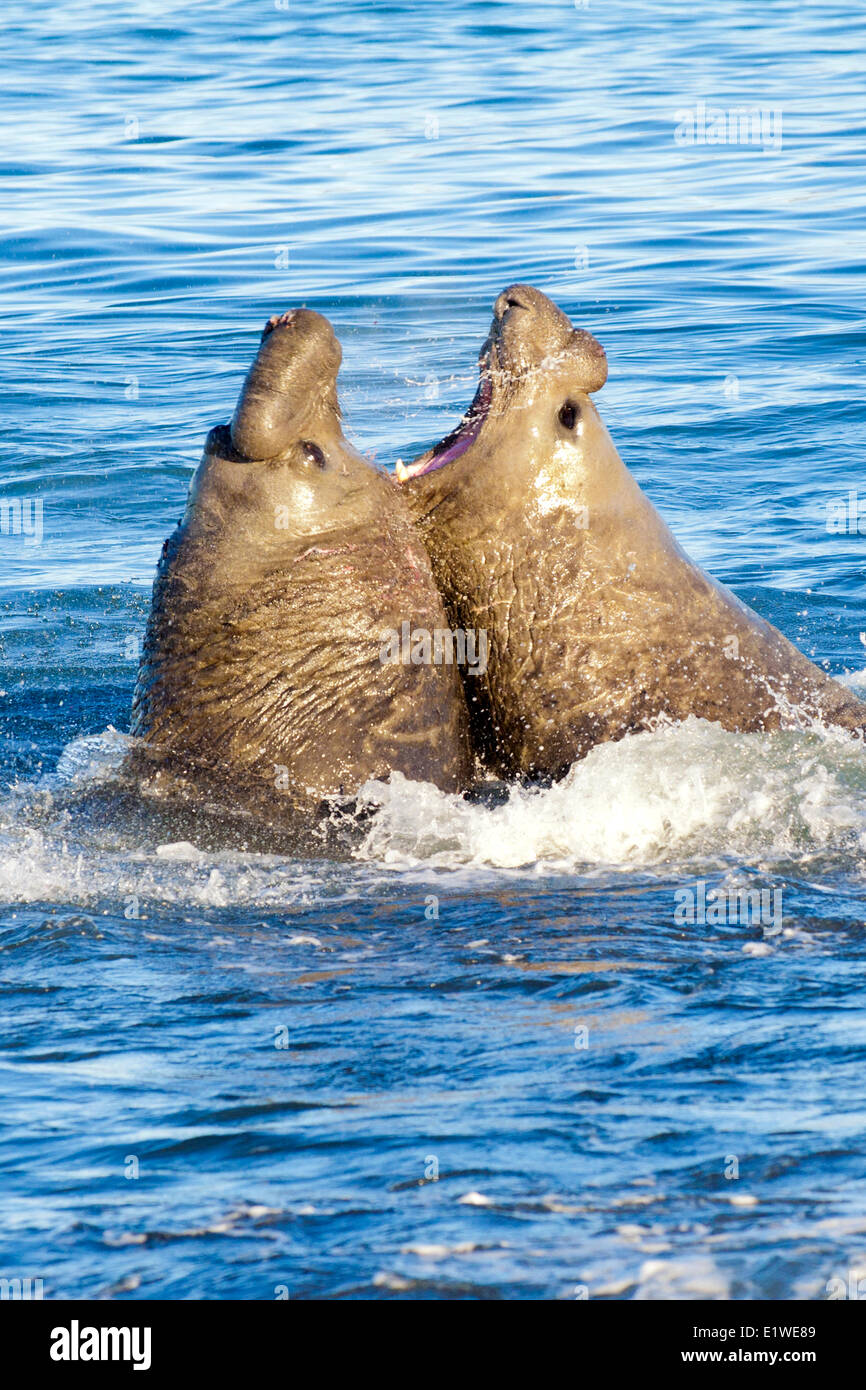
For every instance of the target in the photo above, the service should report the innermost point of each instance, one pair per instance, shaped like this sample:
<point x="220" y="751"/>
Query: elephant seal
<point x="262" y="668"/>
<point x="598" y="623"/>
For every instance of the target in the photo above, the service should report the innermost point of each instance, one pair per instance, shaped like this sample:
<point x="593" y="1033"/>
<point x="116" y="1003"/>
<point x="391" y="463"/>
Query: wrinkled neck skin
<point x="261" y="666"/>
<point x="246" y="511"/>
<point x="598" y="623"/>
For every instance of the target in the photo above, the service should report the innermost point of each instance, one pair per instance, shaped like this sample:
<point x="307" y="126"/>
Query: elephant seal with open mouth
<point x="597" y="622"/>
<point x="262" y="669"/>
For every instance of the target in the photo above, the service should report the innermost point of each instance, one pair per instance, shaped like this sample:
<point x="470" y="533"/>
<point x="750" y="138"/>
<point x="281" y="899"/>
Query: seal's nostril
<point x="507" y="300"/>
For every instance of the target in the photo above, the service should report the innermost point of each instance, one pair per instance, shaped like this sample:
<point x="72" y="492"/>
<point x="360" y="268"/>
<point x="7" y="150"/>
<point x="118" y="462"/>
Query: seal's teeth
<point x="402" y="471"/>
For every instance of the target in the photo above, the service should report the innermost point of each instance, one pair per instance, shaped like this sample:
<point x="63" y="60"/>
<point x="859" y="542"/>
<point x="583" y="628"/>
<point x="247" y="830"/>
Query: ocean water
<point x="489" y="1056"/>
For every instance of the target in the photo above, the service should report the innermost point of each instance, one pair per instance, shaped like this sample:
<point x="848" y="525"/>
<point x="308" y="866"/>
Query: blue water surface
<point x="484" y="1058"/>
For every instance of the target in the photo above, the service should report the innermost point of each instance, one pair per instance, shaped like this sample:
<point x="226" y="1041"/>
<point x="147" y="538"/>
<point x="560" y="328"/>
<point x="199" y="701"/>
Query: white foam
<point x="181" y="851"/>
<point x="686" y="1278"/>
<point x="682" y="793"/>
<point x="385" y="1280"/>
<point x="855" y="680"/>
<point x="681" y="798"/>
<point x="90" y="759"/>
<point x="35" y="867"/>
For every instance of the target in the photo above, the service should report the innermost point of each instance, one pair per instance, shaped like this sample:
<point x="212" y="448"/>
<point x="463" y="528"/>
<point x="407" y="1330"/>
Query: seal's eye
<point x="313" y="454"/>
<point x="569" y="414"/>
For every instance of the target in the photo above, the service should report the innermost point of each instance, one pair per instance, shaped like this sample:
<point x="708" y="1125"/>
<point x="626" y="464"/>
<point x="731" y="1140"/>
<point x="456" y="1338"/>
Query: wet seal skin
<point x="261" y="670"/>
<point x="598" y="623"/>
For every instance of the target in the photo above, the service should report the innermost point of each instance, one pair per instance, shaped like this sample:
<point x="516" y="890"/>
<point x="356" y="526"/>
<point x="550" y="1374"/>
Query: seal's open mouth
<point x="458" y="441"/>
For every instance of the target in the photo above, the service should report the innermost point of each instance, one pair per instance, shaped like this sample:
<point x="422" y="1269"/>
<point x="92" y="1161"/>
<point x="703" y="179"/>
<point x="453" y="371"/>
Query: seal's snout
<point x="515" y="297"/>
<point x="591" y="360"/>
<point x="295" y="372"/>
<point x="530" y="342"/>
<point x="278" y="321"/>
<point x="526" y="302"/>
<point x="527" y="328"/>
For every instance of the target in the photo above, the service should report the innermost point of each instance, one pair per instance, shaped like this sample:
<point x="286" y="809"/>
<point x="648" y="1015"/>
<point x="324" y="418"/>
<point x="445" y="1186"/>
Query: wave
<point x="684" y="794"/>
<point x="677" y="799"/>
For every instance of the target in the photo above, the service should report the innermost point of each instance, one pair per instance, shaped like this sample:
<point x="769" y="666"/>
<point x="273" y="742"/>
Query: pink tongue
<point x="468" y="433"/>
<point x="457" y="448"/>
